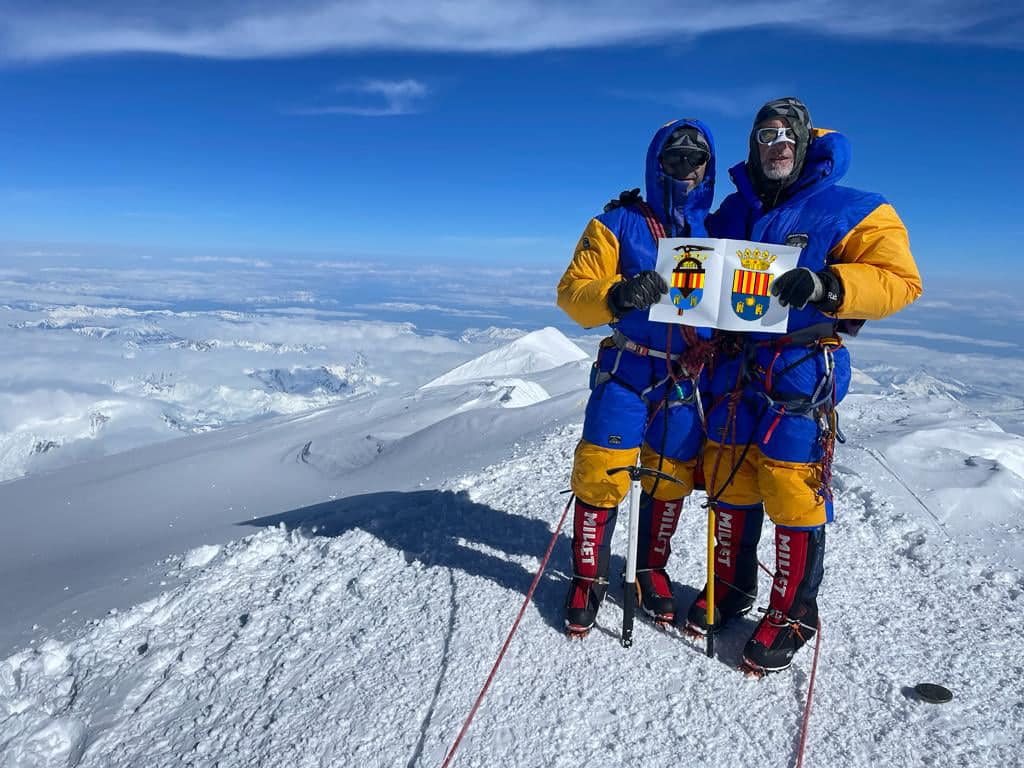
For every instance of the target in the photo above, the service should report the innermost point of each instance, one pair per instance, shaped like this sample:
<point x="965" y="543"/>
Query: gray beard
<point x="778" y="172"/>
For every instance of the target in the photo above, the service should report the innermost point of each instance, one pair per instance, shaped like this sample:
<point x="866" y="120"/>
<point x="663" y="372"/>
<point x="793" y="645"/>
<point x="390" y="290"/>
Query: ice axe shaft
<point x="710" y="616"/>
<point x="629" y="587"/>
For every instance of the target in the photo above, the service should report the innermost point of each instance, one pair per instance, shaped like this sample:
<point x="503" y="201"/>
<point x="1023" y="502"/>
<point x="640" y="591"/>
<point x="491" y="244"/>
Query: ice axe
<point x="629" y="596"/>
<point x="710" y="591"/>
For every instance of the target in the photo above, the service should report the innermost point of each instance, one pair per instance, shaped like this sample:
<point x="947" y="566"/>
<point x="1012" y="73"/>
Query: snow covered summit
<point x="537" y="351"/>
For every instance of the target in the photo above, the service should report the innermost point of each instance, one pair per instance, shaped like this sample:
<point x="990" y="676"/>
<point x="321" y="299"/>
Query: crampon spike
<point x="749" y="670"/>
<point x="573" y="632"/>
<point x="694" y="632"/>
<point x="753" y="670"/>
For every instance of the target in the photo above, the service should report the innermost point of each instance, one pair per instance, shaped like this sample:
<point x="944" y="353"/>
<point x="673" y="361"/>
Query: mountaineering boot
<point x="792" y="617"/>
<point x="581" y="605"/>
<point x="591" y="549"/>
<point x="658" y="521"/>
<point x="656" y="596"/>
<point x="737" y="532"/>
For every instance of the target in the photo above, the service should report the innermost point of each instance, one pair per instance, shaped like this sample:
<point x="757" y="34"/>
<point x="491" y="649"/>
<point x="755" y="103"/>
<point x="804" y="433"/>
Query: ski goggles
<point x="679" y="163"/>
<point x="769" y="136"/>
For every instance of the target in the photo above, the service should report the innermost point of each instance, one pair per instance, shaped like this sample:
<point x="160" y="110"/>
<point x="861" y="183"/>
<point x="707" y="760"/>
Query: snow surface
<point x="332" y="587"/>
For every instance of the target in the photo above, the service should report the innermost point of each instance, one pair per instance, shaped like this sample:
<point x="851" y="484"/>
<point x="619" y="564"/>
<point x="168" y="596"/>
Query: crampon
<point x="693" y="631"/>
<point x="751" y="670"/>
<point x="576" y="632"/>
<point x="664" y="622"/>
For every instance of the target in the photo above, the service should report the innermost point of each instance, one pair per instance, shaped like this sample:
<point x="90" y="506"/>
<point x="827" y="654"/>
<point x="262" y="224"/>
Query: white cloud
<point x="399" y="97"/>
<point x="233" y="29"/>
<point x="733" y="102"/>
<point x="258" y="263"/>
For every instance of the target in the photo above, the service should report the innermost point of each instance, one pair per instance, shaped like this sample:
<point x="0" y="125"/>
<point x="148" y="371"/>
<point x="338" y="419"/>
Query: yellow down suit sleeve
<point x="583" y="289"/>
<point x="876" y="267"/>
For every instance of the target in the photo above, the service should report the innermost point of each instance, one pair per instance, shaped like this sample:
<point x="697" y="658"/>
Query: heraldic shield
<point x="750" y="297"/>
<point x="687" y="287"/>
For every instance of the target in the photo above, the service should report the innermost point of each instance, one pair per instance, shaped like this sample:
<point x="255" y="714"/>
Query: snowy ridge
<point x="491" y="334"/>
<point x="537" y="351"/>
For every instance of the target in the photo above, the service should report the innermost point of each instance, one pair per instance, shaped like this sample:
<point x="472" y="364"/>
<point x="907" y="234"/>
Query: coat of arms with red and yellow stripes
<point x="751" y="287"/>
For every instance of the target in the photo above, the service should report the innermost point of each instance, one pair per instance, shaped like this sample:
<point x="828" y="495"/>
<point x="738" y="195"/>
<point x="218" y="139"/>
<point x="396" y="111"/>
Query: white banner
<point x="722" y="284"/>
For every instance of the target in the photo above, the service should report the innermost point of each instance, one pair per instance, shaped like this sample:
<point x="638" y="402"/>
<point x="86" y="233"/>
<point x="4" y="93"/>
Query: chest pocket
<point x="798" y="225"/>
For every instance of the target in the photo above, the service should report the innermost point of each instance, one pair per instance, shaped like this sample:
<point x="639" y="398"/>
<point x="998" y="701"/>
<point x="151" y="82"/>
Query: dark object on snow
<point x="932" y="693"/>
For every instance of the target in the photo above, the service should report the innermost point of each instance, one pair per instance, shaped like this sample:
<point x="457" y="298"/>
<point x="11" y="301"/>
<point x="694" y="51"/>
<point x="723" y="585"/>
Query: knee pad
<point x="792" y="493"/>
<point x="718" y="462"/>
<point x="662" y="489"/>
<point x="590" y="479"/>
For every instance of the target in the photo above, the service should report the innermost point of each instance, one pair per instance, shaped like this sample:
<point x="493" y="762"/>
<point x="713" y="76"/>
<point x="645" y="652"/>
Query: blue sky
<point x="486" y="132"/>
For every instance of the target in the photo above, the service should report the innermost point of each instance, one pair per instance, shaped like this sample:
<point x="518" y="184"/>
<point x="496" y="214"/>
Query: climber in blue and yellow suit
<point x="642" y="399"/>
<point x="855" y="265"/>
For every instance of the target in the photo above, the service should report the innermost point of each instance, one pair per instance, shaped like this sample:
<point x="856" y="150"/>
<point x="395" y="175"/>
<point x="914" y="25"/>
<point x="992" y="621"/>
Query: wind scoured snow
<point x="358" y="632"/>
<point x="535" y="352"/>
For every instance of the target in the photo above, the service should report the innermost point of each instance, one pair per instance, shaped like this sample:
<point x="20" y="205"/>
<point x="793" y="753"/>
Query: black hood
<point x="795" y="112"/>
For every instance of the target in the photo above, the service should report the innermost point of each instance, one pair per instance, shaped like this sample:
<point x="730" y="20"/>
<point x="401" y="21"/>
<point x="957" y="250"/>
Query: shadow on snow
<point x="449" y="530"/>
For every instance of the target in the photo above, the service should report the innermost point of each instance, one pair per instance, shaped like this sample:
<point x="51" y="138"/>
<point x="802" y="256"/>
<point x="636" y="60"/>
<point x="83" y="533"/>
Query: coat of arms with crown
<point x="750" y="285"/>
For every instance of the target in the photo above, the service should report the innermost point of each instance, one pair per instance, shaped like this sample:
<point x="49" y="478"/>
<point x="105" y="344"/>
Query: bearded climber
<point x="771" y="420"/>
<point x="643" y="398"/>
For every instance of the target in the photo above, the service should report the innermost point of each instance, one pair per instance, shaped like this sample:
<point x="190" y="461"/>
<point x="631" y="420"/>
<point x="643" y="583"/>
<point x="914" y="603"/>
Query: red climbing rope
<point x="810" y="693"/>
<point x="508" y="640"/>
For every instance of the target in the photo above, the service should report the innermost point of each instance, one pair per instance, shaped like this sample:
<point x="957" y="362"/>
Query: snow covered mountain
<point x="82" y="382"/>
<point x="332" y="587"/>
<point x="532" y="353"/>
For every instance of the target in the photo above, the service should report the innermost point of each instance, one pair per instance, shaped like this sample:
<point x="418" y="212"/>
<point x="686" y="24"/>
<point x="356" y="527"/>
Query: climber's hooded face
<point x="777" y="149"/>
<point x="680" y="175"/>
<point x="779" y="141"/>
<point x="685" y="156"/>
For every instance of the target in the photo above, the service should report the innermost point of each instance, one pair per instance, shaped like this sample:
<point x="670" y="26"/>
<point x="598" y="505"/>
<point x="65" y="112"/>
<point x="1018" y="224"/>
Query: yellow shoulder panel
<point x="583" y="289"/>
<point x="876" y="267"/>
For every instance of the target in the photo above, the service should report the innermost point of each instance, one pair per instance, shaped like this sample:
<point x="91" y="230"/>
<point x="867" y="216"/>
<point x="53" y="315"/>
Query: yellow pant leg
<point x="681" y="470"/>
<point x="590" y="479"/>
<point x="719" y="461"/>
<point x="791" y="492"/>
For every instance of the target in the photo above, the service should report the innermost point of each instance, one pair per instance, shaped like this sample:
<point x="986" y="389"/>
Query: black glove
<point x="799" y="287"/>
<point x="637" y="292"/>
<point x="626" y="198"/>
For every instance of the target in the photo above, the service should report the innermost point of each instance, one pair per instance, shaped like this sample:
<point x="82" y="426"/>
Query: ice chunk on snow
<point x="200" y="556"/>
